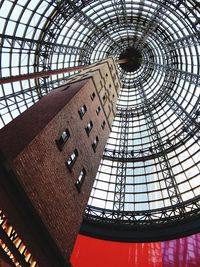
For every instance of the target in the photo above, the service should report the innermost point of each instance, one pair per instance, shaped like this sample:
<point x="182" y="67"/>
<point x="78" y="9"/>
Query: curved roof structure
<point x="148" y="179"/>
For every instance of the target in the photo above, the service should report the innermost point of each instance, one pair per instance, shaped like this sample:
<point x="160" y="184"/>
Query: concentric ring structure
<point x="148" y="183"/>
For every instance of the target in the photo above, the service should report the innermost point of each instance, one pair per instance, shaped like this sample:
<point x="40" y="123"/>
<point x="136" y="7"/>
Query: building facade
<point x="54" y="151"/>
<point x="147" y="185"/>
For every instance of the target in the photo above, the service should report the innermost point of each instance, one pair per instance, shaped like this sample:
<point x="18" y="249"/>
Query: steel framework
<point x="149" y="174"/>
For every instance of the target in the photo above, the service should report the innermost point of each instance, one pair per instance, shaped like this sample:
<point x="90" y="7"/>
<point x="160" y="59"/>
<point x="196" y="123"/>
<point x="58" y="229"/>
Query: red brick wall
<point x="22" y="130"/>
<point x="42" y="170"/>
<point x="19" y="215"/>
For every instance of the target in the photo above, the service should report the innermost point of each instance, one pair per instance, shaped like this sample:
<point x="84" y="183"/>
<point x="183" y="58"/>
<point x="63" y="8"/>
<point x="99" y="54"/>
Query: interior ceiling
<point x="148" y="179"/>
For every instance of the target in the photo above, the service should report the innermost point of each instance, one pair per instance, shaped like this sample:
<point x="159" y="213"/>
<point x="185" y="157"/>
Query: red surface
<point x="90" y="252"/>
<point x="183" y="252"/>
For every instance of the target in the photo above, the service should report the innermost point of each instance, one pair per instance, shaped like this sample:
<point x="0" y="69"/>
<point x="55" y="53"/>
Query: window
<point x="82" y="111"/>
<point x="104" y="98"/>
<point x="92" y="96"/>
<point x="80" y="180"/>
<point x="89" y="128"/>
<point x="103" y="125"/>
<point x="98" y="110"/>
<point x="63" y="139"/>
<point x="72" y="159"/>
<point x="95" y="143"/>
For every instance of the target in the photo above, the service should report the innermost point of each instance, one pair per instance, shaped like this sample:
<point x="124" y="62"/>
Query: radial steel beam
<point x="26" y="44"/>
<point x="85" y="20"/>
<point x="188" y="76"/>
<point x="170" y="181"/>
<point x="188" y="40"/>
<point x="119" y="194"/>
<point x="153" y="22"/>
<point x="191" y="125"/>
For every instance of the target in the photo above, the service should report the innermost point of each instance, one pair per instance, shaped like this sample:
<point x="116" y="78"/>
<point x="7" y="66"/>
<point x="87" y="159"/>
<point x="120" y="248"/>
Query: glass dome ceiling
<point x="149" y="176"/>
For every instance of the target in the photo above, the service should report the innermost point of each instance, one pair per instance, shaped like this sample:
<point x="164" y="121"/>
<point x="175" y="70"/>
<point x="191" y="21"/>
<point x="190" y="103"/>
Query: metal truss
<point x="118" y="203"/>
<point x="152" y="152"/>
<point x="30" y="44"/>
<point x="63" y="34"/>
<point x="143" y="219"/>
<point x="159" y="149"/>
<point x="187" y="76"/>
<point x="189" y="40"/>
<point x="152" y="24"/>
<point x="120" y="10"/>
<point x="190" y="121"/>
<point x="170" y="181"/>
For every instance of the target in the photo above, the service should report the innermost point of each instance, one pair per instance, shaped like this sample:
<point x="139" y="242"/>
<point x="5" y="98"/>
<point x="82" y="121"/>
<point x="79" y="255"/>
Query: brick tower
<point x="49" y="158"/>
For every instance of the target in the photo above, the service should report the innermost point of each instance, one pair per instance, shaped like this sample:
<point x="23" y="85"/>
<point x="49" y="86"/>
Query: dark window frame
<point x="95" y="143"/>
<point x="98" y="110"/>
<point x="80" y="180"/>
<point x="103" y="125"/>
<point x="92" y="96"/>
<point x="63" y="139"/>
<point x="72" y="159"/>
<point x="89" y="127"/>
<point x="82" y="111"/>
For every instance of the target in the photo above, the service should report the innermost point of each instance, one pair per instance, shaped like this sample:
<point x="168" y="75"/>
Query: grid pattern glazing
<point x="150" y="168"/>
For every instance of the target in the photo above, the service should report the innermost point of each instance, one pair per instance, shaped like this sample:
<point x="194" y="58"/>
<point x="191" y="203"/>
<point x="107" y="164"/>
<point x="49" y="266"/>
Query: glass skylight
<point x="150" y="168"/>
